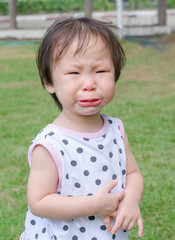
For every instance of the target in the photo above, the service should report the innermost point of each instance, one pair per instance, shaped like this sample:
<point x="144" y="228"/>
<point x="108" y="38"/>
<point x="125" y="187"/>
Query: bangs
<point x="80" y="32"/>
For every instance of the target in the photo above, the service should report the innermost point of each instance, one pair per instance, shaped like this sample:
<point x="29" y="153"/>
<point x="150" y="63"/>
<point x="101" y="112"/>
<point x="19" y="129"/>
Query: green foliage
<point x="48" y="6"/>
<point x="171" y="3"/>
<point x="4" y="8"/>
<point x="148" y="4"/>
<point x="103" y="5"/>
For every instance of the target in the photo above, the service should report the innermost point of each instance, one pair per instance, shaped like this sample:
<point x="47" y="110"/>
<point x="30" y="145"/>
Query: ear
<point x="49" y="87"/>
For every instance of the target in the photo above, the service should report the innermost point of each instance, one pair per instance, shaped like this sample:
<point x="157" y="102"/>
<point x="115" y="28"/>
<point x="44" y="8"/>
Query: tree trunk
<point x="162" y="12"/>
<point x="12" y="13"/>
<point x="136" y="4"/>
<point x="88" y="8"/>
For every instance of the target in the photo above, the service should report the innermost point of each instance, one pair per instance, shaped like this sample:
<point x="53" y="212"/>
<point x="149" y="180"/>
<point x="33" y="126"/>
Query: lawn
<point x="145" y="101"/>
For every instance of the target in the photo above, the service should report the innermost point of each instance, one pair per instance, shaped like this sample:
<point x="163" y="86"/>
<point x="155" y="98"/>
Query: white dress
<point x="85" y="163"/>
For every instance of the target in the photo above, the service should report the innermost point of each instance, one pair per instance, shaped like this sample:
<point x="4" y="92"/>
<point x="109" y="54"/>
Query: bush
<point x="171" y="3"/>
<point x="4" y="8"/>
<point x="48" y="6"/>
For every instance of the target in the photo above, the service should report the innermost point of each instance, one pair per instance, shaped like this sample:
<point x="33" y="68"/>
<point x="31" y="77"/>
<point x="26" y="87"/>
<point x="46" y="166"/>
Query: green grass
<point x="145" y="102"/>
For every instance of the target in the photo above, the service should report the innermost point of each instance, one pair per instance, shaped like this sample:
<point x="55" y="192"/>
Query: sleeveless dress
<point x="85" y="162"/>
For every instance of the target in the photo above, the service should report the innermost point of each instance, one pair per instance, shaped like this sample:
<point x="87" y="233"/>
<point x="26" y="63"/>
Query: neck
<point x="80" y="123"/>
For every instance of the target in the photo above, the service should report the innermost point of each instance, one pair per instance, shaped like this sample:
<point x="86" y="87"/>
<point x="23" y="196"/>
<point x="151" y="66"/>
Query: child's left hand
<point x="127" y="214"/>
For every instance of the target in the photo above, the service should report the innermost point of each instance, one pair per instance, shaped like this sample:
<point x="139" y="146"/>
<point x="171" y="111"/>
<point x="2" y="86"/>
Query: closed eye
<point x="73" y="73"/>
<point x="101" y="71"/>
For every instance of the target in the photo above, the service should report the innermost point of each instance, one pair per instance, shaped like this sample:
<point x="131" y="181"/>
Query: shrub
<point x="48" y="6"/>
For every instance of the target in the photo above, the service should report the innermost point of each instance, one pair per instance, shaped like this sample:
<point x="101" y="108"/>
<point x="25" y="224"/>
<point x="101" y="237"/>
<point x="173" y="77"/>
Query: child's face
<point x="84" y="82"/>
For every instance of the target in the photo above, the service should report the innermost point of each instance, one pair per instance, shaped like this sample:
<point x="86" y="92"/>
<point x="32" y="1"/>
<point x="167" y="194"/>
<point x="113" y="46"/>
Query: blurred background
<point x="134" y="17"/>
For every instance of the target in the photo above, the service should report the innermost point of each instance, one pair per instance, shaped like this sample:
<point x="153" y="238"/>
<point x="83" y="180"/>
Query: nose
<point x="89" y="84"/>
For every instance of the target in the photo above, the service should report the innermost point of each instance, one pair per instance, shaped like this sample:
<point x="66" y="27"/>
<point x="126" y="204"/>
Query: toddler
<point x="84" y="182"/>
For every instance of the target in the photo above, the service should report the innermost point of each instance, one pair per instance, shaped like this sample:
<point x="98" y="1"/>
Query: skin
<point x="84" y="83"/>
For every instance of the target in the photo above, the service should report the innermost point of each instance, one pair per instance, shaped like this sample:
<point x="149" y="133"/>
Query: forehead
<point x="80" y="46"/>
<point x="95" y="43"/>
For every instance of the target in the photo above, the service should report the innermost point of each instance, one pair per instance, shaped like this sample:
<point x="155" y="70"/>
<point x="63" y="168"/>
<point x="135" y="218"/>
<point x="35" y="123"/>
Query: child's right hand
<point x="105" y="203"/>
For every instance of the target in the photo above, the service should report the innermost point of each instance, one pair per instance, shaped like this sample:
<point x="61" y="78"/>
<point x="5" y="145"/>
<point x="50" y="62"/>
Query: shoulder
<point x="117" y="122"/>
<point x="45" y="138"/>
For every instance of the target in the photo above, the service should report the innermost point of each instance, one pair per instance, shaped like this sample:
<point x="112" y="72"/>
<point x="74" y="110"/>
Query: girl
<point x="84" y="182"/>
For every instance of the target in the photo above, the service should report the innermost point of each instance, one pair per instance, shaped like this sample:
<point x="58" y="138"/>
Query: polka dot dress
<point x="85" y="162"/>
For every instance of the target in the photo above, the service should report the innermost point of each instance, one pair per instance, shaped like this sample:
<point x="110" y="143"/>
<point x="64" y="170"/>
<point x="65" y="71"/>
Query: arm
<point x="44" y="202"/>
<point x="128" y="212"/>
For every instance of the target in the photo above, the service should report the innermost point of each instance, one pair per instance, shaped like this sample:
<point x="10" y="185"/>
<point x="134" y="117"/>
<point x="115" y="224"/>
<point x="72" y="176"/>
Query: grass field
<point x="145" y="101"/>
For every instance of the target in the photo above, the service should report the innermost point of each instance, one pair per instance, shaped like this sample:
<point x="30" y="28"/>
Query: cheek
<point x="110" y="89"/>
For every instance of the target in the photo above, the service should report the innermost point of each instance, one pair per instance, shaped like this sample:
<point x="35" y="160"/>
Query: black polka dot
<point x="98" y="182"/>
<point x="100" y="146"/>
<point x="105" y="168"/>
<point x="67" y="176"/>
<point x="114" y="176"/>
<point x="73" y="163"/>
<point x="103" y="227"/>
<point x="36" y="236"/>
<point x="124" y="230"/>
<point x="65" y="141"/>
<point x="44" y="230"/>
<point x="86" y="173"/>
<point x="65" y="228"/>
<point x="79" y="150"/>
<point x="91" y="218"/>
<point x="82" y="229"/>
<point x="77" y="185"/>
<point x="113" y="236"/>
<point x="122" y="186"/>
<point x="104" y="136"/>
<point x="120" y="150"/>
<point x="94" y="238"/>
<point x="74" y="237"/>
<point x="51" y="133"/>
<point x="115" y="141"/>
<point x="89" y="194"/>
<point x="62" y="153"/>
<point x="33" y="222"/>
<point x="54" y="237"/>
<point x="110" y="121"/>
<point x="93" y="159"/>
<point x="118" y="127"/>
<point x="123" y="172"/>
<point x="110" y="154"/>
<point x="86" y="139"/>
<point x="120" y="164"/>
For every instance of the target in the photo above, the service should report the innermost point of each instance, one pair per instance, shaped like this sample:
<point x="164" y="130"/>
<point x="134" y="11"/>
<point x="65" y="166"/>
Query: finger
<point x="110" y="185"/>
<point x="140" y="226"/>
<point x="131" y="225"/>
<point x="107" y="222"/>
<point x="126" y="223"/>
<point x="118" y="223"/>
